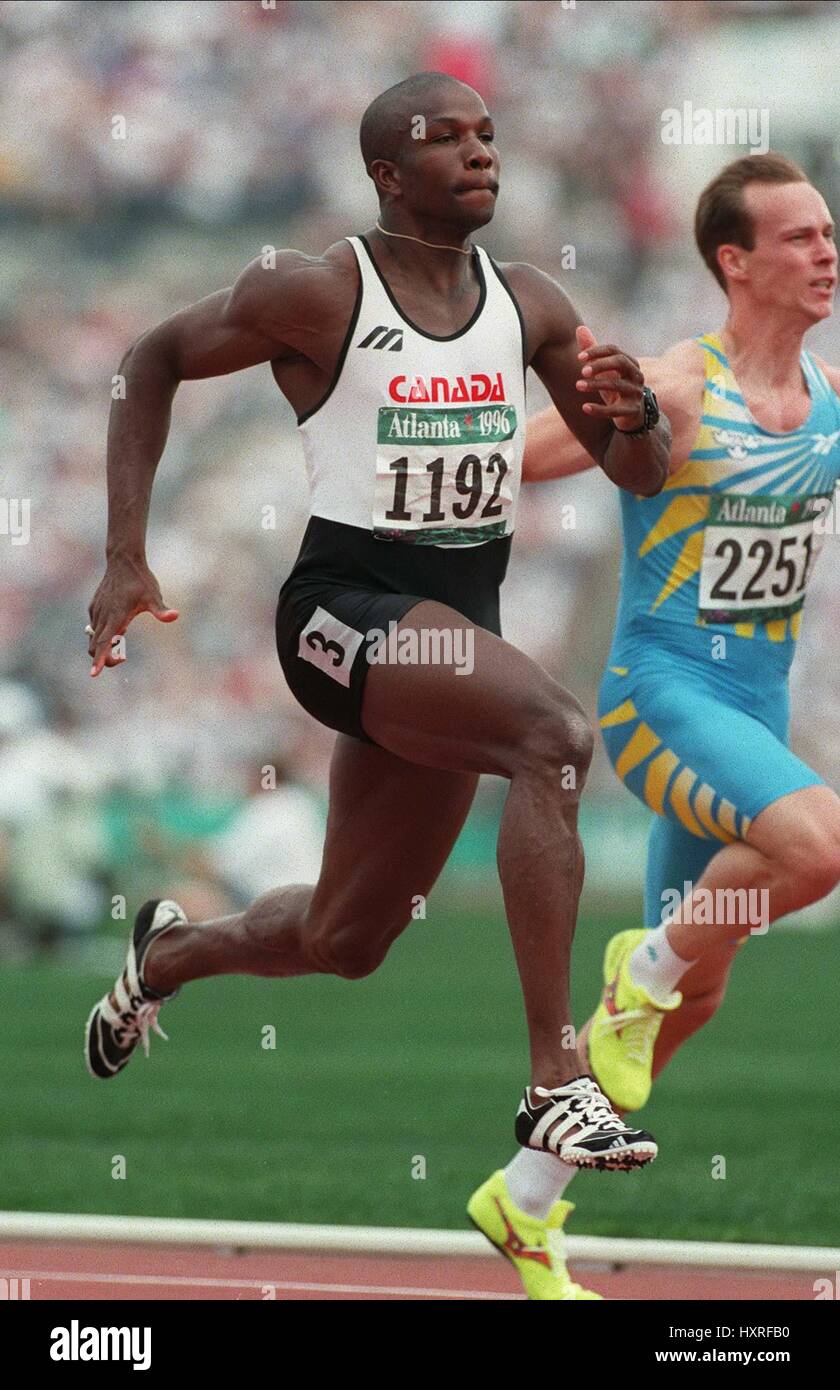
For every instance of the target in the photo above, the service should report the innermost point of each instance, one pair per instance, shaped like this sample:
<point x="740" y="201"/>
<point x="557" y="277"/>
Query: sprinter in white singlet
<point x="403" y="353"/>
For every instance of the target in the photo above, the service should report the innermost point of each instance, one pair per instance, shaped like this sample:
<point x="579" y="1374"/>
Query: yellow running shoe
<point x="535" y="1248"/>
<point x="625" y="1027"/>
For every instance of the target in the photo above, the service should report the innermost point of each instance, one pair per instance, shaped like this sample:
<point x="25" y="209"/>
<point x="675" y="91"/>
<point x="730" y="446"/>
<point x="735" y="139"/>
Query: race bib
<point x="444" y="477"/>
<point x="758" y="555"/>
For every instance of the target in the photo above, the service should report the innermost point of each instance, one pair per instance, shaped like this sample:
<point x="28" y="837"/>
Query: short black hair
<point x="388" y="117"/>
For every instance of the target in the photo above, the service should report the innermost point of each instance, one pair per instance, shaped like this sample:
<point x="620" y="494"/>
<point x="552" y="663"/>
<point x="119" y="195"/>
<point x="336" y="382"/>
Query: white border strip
<point x="393" y="1240"/>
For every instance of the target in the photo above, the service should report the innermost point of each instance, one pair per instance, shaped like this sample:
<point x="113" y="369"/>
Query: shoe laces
<point x="640" y="1026"/>
<point x="596" y="1109"/>
<point x="136" y="1024"/>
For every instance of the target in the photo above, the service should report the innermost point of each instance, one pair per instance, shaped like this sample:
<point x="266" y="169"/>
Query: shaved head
<point x="387" y="121"/>
<point x="429" y="146"/>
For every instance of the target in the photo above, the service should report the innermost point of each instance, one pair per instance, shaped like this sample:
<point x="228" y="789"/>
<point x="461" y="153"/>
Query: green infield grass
<point x="385" y="1101"/>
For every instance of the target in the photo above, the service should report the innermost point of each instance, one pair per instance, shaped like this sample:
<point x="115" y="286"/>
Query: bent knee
<point x="557" y="741"/>
<point x="347" y="953"/>
<point x="812" y="866"/>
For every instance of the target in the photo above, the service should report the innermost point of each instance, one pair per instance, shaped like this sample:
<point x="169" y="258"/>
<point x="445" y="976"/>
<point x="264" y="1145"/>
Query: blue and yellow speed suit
<point x="694" y="703"/>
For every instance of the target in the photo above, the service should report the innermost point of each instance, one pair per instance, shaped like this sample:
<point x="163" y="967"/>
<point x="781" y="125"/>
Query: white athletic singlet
<point x="419" y="439"/>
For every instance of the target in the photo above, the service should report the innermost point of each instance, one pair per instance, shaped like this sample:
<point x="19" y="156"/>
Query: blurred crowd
<point x="148" y="150"/>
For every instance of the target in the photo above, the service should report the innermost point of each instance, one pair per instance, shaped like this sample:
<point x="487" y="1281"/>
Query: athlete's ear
<point x="733" y="261"/>
<point x="386" y="176"/>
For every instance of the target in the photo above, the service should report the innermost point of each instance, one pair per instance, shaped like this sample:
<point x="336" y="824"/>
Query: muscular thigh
<point x="471" y="715"/>
<point x="390" y="828"/>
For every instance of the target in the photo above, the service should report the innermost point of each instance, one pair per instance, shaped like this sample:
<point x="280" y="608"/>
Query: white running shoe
<point x="578" y="1124"/>
<point x="124" y="1016"/>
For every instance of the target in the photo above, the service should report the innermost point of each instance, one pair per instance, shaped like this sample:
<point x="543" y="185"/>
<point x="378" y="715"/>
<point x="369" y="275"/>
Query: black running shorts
<point x="346" y="584"/>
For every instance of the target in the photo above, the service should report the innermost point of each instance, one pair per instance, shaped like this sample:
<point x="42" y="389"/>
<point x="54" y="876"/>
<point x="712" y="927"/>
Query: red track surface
<point x="93" y="1271"/>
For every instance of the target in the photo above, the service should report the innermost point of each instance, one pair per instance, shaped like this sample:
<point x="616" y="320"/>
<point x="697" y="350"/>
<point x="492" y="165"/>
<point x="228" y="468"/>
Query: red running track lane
<point x="76" y="1271"/>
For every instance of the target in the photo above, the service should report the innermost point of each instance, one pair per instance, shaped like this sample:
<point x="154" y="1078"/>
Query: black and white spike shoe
<point x="124" y="1016"/>
<point x="577" y="1123"/>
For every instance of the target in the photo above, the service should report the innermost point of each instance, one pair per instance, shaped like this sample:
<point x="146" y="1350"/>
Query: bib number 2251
<point x="758" y="556"/>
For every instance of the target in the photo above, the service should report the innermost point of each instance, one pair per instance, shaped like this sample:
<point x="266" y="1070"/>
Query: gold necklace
<point x="436" y="246"/>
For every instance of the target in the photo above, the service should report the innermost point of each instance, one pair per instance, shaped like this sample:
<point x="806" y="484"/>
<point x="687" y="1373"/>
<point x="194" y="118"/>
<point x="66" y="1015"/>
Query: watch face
<point x="651" y="407"/>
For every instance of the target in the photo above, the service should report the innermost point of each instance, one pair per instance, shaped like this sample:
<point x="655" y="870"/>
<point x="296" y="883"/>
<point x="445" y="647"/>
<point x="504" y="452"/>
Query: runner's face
<point x="450" y="169"/>
<point x="794" y="262"/>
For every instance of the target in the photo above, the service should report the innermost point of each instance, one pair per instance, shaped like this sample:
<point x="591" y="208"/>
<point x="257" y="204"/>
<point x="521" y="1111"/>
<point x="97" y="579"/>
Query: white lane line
<point x="186" y="1281"/>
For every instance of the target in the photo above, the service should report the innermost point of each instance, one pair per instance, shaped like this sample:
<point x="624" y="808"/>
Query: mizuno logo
<point x="517" y="1247"/>
<point x="381" y="337"/>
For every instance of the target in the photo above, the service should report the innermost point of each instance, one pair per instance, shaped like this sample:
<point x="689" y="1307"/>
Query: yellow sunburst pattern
<point x="664" y="535"/>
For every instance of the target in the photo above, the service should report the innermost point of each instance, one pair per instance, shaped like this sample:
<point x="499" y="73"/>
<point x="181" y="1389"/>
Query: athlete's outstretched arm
<point x="551" y="450"/>
<point x="252" y="322"/>
<point x="574" y="368"/>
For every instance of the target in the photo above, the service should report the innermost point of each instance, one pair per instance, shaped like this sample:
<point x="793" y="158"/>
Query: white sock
<point x="536" y="1180"/>
<point x="656" y="966"/>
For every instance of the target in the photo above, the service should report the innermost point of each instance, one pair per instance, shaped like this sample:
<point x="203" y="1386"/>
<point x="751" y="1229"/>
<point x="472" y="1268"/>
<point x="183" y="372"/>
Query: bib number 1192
<point x="472" y="482"/>
<point x="445" y="477"/>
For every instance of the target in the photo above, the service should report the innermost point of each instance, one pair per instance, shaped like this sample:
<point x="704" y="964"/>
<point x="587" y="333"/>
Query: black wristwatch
<point x="651" y="416"/>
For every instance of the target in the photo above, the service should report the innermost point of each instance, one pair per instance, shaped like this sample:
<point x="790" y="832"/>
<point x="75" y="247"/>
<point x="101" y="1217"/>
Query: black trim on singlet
<point x="345" y="347"/>
<point x="504" y="282"/>
<point x="435" y="337"/>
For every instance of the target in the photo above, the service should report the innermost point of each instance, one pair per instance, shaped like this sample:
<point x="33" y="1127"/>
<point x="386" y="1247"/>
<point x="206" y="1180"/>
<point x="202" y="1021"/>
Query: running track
<point x="77" y="1271"/>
